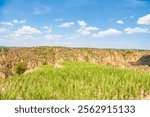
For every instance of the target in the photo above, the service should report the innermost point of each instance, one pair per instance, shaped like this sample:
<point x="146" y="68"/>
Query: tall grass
<point x="77" y="80"/>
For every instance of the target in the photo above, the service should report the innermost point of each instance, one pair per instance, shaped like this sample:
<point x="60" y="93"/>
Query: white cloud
<point x="41" y="8"/>
<point x="136" y="30"/>
<point x="13" y="22"/>
<point x="84" y="30"/>
<point x="27" y="30"/>
<point x="145" y="20"/>
<point x="109" y="32"/>
<point x="2" y="30"/>
<point x="67" y="25"/>
<point x="91" y="28"/>
<point x="87" y="30"/>
<point x="48" y="29"/>
<point x="15" y="36"/>
<point x="131" y="17"/>
<point x="81" y="23"/>
<point x="53" y="36"/>
<point x="19" y="21"/>
<point x="58" y="20"/>
<point x="7" y="23"/>
<point x="72" y="37"/>
<point x="120" y="22"/>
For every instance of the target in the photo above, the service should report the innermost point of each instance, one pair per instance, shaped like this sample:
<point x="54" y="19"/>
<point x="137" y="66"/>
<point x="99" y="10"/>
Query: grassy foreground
<point x="77" y="80"/>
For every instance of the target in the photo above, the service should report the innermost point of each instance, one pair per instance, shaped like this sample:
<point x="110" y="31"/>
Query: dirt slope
<point x="37" y="56"/>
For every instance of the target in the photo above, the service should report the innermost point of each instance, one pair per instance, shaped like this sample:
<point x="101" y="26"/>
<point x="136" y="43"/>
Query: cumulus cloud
<point x="19" y="21"/>
<point x="120" y="22"/>
<point x="136" y="30"/>
<point x="2" y="30"/>
<point x="48" y="29"/>
<point x="145" y="20"/>
<point x="7" y="23"/>
<point x="53" y="36"/>
<point x="11" y="23"/>
<point x="109" y="32"/>
<point x="87" y="30"/>
<point x="67" y="25"/>
<point x="82" y="23"/>
<point x="27" y="30"/>
<point x="90" y="28"/>
<point x="84" y="30"/>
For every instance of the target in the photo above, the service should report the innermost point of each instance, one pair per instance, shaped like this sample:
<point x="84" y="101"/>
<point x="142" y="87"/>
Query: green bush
<point x="4" y="50"/>
<point x="21" y="68"/>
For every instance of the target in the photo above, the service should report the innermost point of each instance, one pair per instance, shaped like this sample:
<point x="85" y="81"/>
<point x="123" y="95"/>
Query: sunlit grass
<point x="77" y="80"/>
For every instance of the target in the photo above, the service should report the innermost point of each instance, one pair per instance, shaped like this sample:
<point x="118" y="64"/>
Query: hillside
<point x="37" y="56"/>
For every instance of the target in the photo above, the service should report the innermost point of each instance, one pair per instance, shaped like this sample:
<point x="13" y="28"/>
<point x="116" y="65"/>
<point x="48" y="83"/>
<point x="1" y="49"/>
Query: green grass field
<point x="77" y="80"/>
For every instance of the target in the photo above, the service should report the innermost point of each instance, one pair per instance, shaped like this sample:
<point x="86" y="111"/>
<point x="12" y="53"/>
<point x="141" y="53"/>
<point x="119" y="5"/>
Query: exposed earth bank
<point x="36" y="56"/>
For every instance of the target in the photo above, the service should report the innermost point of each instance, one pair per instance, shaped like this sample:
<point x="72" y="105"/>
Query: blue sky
<point x="121" y="24"/>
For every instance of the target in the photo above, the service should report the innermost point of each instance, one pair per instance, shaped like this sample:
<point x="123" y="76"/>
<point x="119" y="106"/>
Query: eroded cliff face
<point x="37" y="56"/>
